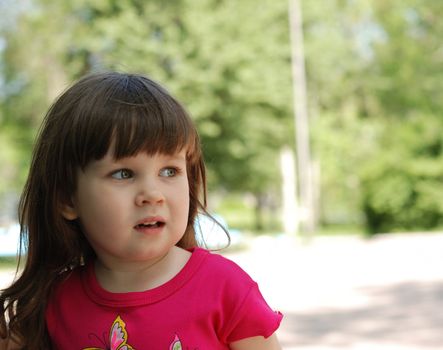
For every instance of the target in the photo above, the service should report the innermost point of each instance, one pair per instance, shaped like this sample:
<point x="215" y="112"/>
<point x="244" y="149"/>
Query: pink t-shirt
<point x="210" y="303"/>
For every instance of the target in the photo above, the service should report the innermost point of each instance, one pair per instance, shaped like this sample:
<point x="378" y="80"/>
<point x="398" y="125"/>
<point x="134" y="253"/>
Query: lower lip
<point x="150" y="230"/>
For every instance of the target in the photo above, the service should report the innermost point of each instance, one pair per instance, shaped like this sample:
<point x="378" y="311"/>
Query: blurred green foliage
<point x="375" y="74"/>
<point x="374" y="71"/>
<point x="232" y="83"/>
<point x="403" y="189"/>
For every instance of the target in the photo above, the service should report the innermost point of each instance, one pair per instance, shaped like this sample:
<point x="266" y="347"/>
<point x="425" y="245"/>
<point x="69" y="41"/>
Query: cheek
<point x="185" y="197"/>
<point x="97" y="206"/>
<point x="184" y="202"/>
<point x="192" y="201"/>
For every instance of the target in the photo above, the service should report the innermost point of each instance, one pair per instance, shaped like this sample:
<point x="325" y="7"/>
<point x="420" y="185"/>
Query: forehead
<point x="165" y="149"/>
<point x="142" y="130"/>
<point x="176" y="154"/>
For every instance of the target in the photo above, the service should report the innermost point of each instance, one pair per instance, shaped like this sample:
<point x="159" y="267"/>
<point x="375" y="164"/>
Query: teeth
<point x="154" y="223"/>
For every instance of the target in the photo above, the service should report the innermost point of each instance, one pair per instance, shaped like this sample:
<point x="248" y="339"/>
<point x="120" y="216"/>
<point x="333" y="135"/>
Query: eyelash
<point x="174" y="169"/>
<point x="130" y="174"/>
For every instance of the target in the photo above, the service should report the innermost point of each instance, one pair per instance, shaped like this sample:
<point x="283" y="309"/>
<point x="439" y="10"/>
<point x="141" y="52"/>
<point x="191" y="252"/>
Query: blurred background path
<point x="384" y="293"/>
<point x="353" y="293"/>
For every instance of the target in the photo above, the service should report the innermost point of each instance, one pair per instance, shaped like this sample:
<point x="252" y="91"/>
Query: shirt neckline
<point x="103" y="297"/>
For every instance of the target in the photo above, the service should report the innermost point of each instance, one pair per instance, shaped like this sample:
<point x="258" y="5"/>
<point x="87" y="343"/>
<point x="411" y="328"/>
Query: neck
<point x="141" y="276"/>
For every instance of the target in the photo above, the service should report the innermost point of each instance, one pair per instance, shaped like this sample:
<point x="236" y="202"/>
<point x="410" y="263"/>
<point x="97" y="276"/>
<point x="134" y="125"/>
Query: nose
<point x="149" y="194"/>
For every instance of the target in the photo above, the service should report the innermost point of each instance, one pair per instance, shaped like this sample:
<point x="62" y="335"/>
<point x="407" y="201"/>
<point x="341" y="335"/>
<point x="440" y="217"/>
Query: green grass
<point x="339" y="230"/>
<point x="8" y="263"/>
<point x="237" y="212"/>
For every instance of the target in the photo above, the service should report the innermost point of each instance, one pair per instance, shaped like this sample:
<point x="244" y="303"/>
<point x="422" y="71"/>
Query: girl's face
<point x="134" y="209"/>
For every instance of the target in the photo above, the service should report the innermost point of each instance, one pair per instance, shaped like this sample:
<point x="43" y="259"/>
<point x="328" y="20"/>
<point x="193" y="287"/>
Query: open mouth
<point x="154" y="224"/>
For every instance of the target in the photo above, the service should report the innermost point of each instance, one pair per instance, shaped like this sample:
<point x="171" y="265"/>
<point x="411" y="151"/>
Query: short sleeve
<point x="253" y="318"/>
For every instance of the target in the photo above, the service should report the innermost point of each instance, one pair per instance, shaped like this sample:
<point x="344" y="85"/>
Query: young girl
<point x="116" y="181"/>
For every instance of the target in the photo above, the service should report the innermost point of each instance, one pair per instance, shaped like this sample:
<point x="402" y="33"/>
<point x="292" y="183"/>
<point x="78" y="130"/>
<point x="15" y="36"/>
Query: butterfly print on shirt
<point x="118" y="337"/>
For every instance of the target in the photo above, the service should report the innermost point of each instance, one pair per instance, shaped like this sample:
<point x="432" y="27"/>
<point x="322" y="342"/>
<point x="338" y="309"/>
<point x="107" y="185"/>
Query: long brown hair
<point x="135" y="113"/>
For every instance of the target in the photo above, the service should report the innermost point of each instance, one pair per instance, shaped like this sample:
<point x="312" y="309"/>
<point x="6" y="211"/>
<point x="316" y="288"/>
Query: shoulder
<point x="241" y="306"/>
<point x="218" y="261"/>
<point x="67" y="289"/>
<point x="68" y="281"/>
<point x="223" y="269"/>
<point x="222" y="278"/>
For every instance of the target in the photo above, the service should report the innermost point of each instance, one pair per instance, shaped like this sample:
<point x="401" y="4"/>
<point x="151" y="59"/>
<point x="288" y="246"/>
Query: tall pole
<point x="290" y="213"/>
<point x="303" y="152"/>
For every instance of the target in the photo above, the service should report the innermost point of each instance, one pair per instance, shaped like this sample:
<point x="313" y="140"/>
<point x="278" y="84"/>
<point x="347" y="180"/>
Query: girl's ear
<point x="68" y="211"/>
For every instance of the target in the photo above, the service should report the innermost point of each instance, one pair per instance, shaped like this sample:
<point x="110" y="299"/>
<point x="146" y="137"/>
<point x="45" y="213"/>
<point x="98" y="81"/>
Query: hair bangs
<point x="151" y="129"/>
<point x="133" y="114"/>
